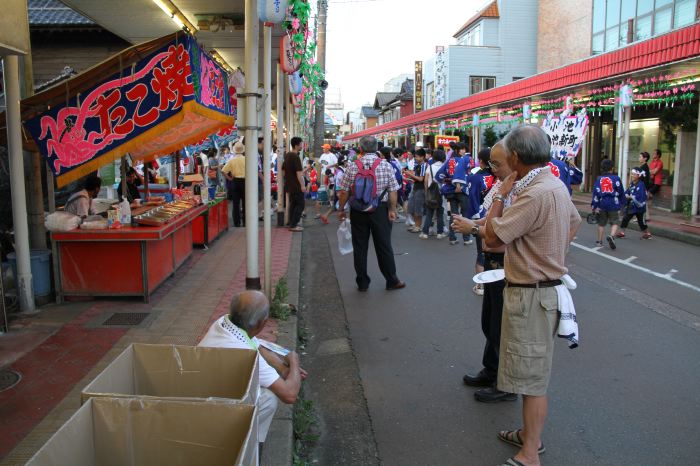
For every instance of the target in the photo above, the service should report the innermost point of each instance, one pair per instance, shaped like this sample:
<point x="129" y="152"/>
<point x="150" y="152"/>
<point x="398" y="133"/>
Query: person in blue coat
<point x="608" y="196"/>
<point x="561" y="170"/>
<point x="453" y="178"/>
<point x="575" y="174"/>
<point x="636" y="196"/>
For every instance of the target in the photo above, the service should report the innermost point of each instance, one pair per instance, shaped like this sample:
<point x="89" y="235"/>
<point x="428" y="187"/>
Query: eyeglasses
<point x="493" y="166"/>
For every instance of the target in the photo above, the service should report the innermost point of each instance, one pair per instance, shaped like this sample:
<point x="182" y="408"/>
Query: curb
<point x="681" y="236"/>
<point x="279" y="445"/>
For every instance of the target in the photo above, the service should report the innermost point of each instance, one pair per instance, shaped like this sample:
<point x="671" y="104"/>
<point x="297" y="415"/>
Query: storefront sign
<point x="418" y="88"/>
<point x="444" y="141"/>
<point x="163" y="102"/>
<point x="566" y="135"/>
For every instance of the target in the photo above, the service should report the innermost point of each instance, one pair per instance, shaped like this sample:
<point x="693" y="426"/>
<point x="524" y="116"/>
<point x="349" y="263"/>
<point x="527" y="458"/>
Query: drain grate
<point x="8" y="379"/>
<point x="126" y="318"/>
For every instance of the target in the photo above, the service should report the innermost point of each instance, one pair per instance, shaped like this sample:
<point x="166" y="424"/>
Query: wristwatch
<point x="498" y="197"/>
<point x="475" y="231"/>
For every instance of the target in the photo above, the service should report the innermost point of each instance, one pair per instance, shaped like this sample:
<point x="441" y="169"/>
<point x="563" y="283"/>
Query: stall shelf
<point x="129" y="261"/>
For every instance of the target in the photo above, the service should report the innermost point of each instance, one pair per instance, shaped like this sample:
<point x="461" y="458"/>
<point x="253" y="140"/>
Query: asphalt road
<point x="630" y="394"/>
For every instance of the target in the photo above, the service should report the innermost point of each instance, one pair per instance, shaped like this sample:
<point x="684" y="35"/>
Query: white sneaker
<point x="432" y="231"/>
<point x="423" y="236"/>
<point x="468" y="242"/>
<point x="445" y="231"/>
<point x="440" y="236"/>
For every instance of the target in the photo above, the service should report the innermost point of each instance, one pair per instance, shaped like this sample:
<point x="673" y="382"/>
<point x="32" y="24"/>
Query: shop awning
<point x="675" y="46"/>
<point x="148" y="100"/>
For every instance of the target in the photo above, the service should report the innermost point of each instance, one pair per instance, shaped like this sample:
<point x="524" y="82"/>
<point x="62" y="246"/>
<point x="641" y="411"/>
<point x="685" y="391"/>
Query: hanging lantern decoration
<point x="295" y="83"/>
<point x="288" y="61"/>
<point x="272" y="11"/>
<point x="527" y="113"/>
<point x="626" y="96"/>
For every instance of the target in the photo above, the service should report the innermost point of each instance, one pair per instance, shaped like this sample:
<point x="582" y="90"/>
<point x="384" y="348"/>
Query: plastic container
<point x="41" y="270"/>
<point x="212" y="192"/>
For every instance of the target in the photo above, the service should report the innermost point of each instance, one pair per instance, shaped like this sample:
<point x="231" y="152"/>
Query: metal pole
<point x="319" y="123"/>
<point x="290" y="134"/>
<point x="696" y="172"/>
<point x="280" y="146"/>
<point x="625" y="145"/>
<point x="584" y="160"/>
<point x="267" y="147"/>
<point x="252" y="27"/>
<point x="25" y="290"/>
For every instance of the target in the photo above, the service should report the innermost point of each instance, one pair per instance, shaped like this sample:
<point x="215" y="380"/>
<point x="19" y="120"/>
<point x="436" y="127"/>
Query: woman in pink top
<point x="656" y="167"/>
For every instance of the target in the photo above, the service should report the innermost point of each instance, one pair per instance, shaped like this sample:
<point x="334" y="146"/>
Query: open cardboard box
<point x="175" y="372"/>
<point x="139" y="432"/>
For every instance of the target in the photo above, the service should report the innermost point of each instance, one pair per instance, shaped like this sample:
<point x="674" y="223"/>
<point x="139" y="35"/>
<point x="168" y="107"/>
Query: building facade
<point x="496" y="46"/>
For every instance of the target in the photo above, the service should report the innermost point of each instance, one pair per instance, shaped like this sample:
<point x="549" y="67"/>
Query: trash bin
<point x="41" y="270"/>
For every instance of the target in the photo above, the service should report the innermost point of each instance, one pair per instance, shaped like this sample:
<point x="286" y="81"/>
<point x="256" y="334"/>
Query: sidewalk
<point x="662" y="223"/>
<point x="63" y="348"/>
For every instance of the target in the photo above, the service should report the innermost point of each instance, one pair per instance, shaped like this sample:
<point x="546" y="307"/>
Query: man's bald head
<point x="248" y="309"/>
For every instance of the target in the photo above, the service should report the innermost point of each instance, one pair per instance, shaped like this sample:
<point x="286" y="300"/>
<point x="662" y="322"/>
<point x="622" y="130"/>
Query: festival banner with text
<point x="172" y="97"/>
<point x="566" y="135"/>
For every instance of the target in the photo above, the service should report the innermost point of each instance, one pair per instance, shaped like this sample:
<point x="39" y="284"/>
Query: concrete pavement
<point x="625" y="396"/>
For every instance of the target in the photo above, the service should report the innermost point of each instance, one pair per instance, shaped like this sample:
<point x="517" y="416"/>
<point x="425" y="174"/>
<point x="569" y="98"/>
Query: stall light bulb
<point x="178" y="21"/>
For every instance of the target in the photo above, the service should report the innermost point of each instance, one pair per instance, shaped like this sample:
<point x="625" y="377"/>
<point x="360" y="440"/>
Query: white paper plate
<point x="489" y="276"/>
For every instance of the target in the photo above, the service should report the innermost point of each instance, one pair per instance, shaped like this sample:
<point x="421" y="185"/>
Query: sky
<point x="371" y="41"/>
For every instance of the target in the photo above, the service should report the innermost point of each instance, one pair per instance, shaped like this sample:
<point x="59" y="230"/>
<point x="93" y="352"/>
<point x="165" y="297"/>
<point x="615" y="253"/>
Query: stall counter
<point x="210" y="224"/>
<point x="129" y="261"/>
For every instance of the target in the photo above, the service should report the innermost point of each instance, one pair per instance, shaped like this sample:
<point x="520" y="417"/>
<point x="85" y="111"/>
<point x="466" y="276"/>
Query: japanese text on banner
<point x="566" y="135"/>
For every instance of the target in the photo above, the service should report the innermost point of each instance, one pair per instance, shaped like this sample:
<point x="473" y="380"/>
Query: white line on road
<point x="628" y="263"/>
<point x="630" y="259"/>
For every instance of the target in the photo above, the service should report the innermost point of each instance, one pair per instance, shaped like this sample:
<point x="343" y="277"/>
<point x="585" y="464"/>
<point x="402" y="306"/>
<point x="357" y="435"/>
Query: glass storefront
<point x="644" y="136"/>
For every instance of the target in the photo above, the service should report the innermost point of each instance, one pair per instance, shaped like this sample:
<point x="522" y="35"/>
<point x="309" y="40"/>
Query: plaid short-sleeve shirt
<point x="535" y="229"/>
<point x="385" y="175"/>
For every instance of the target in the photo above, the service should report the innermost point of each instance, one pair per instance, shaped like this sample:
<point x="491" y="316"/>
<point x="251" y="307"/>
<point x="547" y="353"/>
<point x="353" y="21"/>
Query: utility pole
<point x="319" y="124"/>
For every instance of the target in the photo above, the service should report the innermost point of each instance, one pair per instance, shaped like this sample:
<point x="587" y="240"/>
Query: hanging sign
<point x="418" y="87"/>
<point x="444" y="140"/>
<point x="288" y="63"/>
<point x="295" y="83"/>
<point x="566" y="135"/>
<point x="172" y="97"/>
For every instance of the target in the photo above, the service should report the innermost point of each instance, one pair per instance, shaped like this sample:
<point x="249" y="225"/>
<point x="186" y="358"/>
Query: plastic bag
<point x="345" y="238"/>
<point x="61" y="221"/>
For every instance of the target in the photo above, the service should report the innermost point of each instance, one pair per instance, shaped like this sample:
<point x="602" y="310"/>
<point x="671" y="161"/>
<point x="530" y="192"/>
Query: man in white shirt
<point x="327" y="160"/>
<point x="247" y="317"/>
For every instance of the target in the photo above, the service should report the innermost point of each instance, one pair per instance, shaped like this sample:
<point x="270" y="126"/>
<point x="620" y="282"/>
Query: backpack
<point x="364" y="193"/>
<point x="433" y="198"/>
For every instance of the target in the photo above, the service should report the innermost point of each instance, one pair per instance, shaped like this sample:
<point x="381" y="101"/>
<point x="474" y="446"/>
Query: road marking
<point x="630" y="259"/>
<point x="667" y="276"/>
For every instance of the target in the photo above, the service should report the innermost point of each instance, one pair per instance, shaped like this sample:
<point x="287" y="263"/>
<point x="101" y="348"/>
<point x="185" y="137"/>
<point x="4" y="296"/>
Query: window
<point x="597" y="43"/>
<point x="481" y="83"/>
<point x="618" y="22"/>
<point x="684" y="13"/>
<point x="516" y="78"/>
<point x="643" y="28"/>
<point x="473" y="36"/>
<point x="662" y="20"/>
<point x="598" y="16"/>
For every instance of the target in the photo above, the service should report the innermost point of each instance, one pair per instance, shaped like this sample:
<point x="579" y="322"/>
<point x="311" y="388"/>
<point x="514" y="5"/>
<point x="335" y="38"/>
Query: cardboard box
<point x="195" y="178"/>
<point x="138" y="432"/>
<point x="186" y="373"/>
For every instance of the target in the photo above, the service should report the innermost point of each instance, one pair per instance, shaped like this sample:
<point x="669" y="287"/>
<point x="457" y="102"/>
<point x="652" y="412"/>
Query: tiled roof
<point x="53" y="12"/>
<point x="406" y="90"/>
<point x="383" y="98"/>
<point x="369" y="112"/>
<point x="489" y="11"/>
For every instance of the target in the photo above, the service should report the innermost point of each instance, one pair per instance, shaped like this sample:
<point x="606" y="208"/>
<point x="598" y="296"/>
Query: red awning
<point x="672" y="47"/>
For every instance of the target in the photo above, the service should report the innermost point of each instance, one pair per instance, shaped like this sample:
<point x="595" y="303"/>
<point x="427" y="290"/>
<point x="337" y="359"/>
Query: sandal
<point x="512" y="462"/>
<point x="513" y="437"/>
